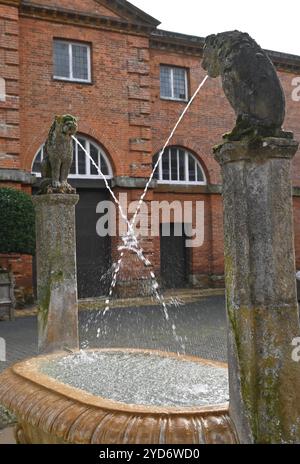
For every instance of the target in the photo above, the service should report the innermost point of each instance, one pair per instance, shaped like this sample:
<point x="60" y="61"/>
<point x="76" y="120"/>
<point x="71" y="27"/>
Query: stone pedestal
<point x="262" y="309"/>
<point x="56" y="272"/>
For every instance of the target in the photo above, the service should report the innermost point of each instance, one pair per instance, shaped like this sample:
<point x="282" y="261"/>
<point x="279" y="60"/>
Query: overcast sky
<point x="274" y="24"/>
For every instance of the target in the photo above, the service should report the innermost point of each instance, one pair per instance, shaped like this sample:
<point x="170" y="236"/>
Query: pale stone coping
<point x="99" y="304"/>
<point x="24" y="177"/>
<point x="267" y="148"/>
<point x="17" y="175"/>
<point x="55" y="199"/>
<point x="29" y="370"/>
<point x="132" y="182"/>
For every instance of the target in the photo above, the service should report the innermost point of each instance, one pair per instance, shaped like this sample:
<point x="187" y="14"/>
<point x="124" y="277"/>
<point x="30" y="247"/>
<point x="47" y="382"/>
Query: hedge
<point x="17" y="222"/>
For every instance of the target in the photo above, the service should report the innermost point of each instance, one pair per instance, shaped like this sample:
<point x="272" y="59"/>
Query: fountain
<point x="149" y="397"/>
<point x="55" y="405"/>
<point x="133" y="396"/>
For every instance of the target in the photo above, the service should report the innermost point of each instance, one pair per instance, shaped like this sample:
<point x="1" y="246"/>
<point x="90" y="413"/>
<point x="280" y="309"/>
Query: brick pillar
<point x="217" y="241"/>
<point x="9" y="86"/>
<point x="139" y="105"/>
<point x="134" y="278"/>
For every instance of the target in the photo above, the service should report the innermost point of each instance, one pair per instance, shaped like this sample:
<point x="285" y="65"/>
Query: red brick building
<point x="107" y="63"/>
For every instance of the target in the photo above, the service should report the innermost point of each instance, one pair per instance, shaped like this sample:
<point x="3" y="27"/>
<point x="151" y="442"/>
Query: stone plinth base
<point x="261" y="299"/>
<point x="56" y="272"/>
<point x="133" y="288"/>
<point x="206" y="281"/>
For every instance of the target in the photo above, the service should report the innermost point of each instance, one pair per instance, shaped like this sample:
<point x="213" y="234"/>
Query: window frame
<point x="172" y="98"/>
<point x="88" y="174"/>
<point x="160" y="180"/>
<point x="70" y="54"/>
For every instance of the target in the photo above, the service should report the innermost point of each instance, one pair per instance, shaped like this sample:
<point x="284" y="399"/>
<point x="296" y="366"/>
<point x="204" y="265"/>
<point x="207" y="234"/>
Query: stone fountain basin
<point x="50" y="411"/>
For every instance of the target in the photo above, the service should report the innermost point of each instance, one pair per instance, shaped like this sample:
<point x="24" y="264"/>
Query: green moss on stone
<point x="43" y="309"/>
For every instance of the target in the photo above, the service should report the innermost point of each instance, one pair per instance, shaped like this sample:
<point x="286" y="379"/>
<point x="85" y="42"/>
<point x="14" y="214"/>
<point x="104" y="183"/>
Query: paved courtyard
<point x="201" y="325"/>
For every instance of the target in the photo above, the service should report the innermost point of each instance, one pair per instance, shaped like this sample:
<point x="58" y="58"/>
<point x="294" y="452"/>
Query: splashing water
<point x="132" y="222"/>
<point x="130" y="243"/>
<point x="130" y="240"/>
<point x="142" y="378"/>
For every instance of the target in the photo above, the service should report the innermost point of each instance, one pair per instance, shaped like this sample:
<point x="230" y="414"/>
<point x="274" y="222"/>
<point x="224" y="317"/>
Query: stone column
<point x="262" y="308"/>
<point x="56" y="272"/>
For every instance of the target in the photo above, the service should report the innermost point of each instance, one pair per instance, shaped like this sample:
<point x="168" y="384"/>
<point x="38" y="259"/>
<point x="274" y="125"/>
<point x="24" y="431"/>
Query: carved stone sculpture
<point x="259" y="255"/>
<point x="250" y="84"/>
<point x="58" y="156"/>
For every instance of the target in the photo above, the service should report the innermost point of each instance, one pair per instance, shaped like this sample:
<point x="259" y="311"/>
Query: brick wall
<point x="104" y="108"/>
<point x="122" y="110"/>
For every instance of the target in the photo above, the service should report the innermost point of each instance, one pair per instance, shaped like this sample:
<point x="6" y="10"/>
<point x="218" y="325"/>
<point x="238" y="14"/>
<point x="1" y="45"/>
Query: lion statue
<point x="250" y="84"/>
<point x="58" y="156"/>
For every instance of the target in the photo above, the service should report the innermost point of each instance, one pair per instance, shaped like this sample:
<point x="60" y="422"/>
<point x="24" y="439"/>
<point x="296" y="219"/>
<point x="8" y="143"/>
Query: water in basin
<point x="141" y="378"/>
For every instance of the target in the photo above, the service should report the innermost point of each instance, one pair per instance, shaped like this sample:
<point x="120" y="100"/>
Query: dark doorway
<point x="173" y="256"/>
<point x="93" y="252"/>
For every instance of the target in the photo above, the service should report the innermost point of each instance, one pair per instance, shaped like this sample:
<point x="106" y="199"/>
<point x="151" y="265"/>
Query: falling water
<point x="130" y="243"/>
<point x="130" y="240"/>
<point x="132" y="222"/>
<point x="165" y="146"/>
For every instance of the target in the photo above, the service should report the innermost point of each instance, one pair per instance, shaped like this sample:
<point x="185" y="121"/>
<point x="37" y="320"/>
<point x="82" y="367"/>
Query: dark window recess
<point x="93" y="252"/>
<point x="173" y="256"/>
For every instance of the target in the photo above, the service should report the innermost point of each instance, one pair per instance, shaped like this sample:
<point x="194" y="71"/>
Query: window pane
<point x="179" y="83"/>
<point x="104" y="167"/>
<point x="174" y="173"/>
<point x="178" y="165"/>
<point x="165" y="82"/>
<point x="181" y="165"/>
<point x="94" y="155"/>
<point x="200" y="177"/>
<point x="165" y="166"/>
<point x="61" y="59"/>
<point x="156" y="173"/>
<point x="81" y="158"/>
<point x="80" y="62"/>
<point x="192" y="171"/>
<point x="37" y="162"/>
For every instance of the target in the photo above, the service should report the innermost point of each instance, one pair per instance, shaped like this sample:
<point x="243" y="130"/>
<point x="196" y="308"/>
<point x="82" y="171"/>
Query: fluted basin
<point x="117" y="396"/>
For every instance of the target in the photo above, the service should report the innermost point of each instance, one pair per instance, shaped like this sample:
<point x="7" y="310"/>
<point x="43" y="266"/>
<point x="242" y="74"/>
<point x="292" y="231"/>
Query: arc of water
<point x="124" y="216"/>
<point x="165" y="146"/>
<point x="130" y="240"/>
<point x="130" y="243"/>
<point x="132" y="222"/>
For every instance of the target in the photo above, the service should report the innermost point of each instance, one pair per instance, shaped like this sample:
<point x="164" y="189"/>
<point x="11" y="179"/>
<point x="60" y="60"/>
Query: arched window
<point x="178" y="166"/>
<point x="82" y="166"/>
